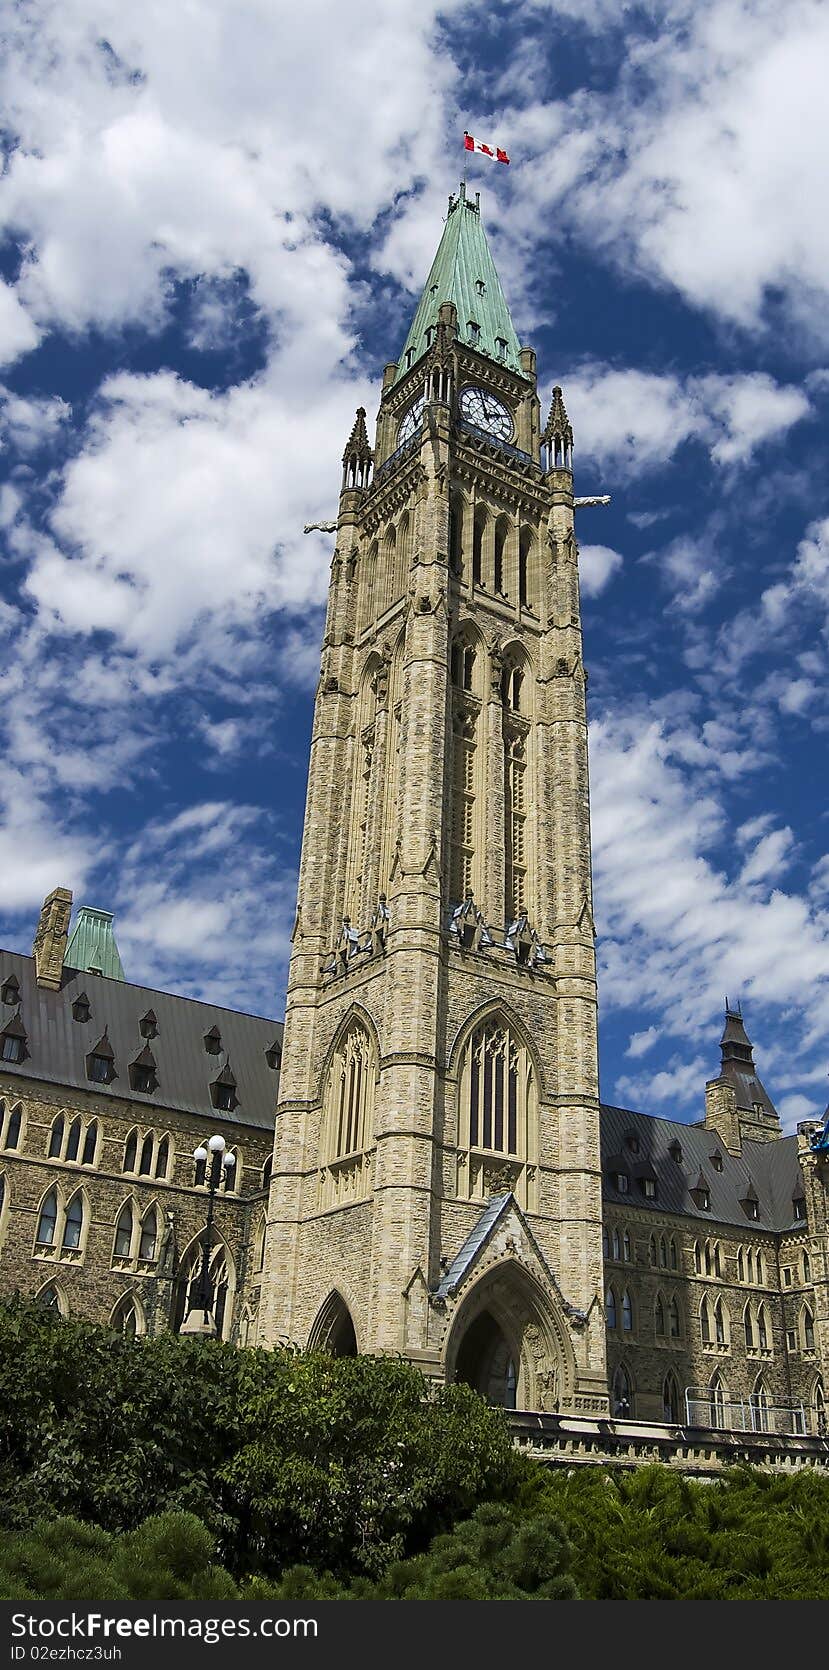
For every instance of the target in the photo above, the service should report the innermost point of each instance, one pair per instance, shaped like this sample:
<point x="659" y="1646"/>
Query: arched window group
<point x="708" y="1258"/>
<point x="497" y="1114"/>
<point x="347" y="1132"/>
<point x="375" y="784"/>
<point x="73" y="1139"/>
<point x="751" y="1266"/>
<point x="616" y="1243"/>
<point x="757" y="1328"/>
<point x="137" y="1236"/>
<point x="222" y="1277"/>
<point x="715" y="1325"/>
<point x="61" y="1225"/>
<point x="383" y="573"/>
<point x="516" y="693"/>
<point x="146" y="1154"/>
<point x="619" y="1311"/>
<point x="662" y="1252"/>
<point x="489" y="548"/>
<point x="671" y="1406"/>
<point x="128" y="1316"/>
<point x="667" y="1316"/>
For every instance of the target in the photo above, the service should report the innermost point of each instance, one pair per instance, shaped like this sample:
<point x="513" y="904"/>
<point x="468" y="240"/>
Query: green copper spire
<point x="463" y="272"/>
<point x="92" y="946"/>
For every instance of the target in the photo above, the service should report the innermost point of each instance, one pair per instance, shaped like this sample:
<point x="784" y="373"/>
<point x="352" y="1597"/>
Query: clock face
<point x="480" y="407"/>
<point x="411" y="421"/>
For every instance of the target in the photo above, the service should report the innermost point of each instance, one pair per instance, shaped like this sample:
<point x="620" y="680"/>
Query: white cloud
<point x="642" y="1042"/>
<point x="676" y="929"/>
<point x="166" y="143"/>
<point x="633" y="421"/>
<point x="18" y="333"/>
<point x="597" y="566"/>
<point x="702" y="166"/>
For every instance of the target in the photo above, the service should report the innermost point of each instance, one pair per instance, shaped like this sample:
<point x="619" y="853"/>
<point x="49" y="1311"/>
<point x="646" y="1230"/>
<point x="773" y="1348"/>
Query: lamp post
<point x="214" y="1166"/>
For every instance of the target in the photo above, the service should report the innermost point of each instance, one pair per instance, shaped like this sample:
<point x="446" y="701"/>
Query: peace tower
<point x="436" y="1186"/>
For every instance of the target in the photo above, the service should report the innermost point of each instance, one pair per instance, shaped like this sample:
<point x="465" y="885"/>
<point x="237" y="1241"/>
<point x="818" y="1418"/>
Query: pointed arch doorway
<point x="333" y="1330"/>
<point x="509" y="1343"/>
<point x="486" y="1362"/>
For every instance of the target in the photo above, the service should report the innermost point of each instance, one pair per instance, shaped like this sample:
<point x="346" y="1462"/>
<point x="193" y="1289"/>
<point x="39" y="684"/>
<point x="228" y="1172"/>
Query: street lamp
<point x="214" y="1166"/>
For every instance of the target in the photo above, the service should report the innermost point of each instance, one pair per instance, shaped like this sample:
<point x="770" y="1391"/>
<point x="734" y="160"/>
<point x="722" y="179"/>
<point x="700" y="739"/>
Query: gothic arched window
<point x="621" y="1392"/>
<point x="610" y="1307"/>
<point x="348" y="1118"/>
<point x="674" y="1319"/>
<point x="627" y="1312"/>
<point x="47" y="1220"/>
<point x="124" y="1224"/>
<point x="670" y="1399"/>
<point x="498" y="1114"/>
<point x="128" y="1316"/>
<point x="659" y="1315"/>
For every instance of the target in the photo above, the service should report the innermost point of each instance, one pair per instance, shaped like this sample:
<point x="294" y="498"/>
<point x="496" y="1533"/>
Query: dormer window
<point x="213" y="1041"/>
<point x="409" y="358"/>
<point x="81" y="1010"/>
<point x="649" y="1188"/>
<point x="142" y="1071"/>
<point x="10" y="992"/>
<point x="223" y="1090"/>
<point x="799" y="1208"/>
<point x="501" y="347"/>
<point x="100" y="1062"/>
<point x="473" y="332"/>
<point x="701" y="1194"/>
<point x="675" y="1152"/>
<point x="621" y="1182"/>
<point x="632" y="1141"/>
<point x="480" y="286"/>
<point x="430" y="335"/>
<point x="716" y="1161"/>
<point x="148" y="1025"/>
<point x="433" y="289"/>
<point x="750" y="1203"/>
<point x="273" y="1056"/>
<point x="13" y="1041"/>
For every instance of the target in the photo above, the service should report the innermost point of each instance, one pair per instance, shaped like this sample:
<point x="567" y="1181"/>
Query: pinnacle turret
<point x="557" y="437"/>
<point x="358" y="456"/>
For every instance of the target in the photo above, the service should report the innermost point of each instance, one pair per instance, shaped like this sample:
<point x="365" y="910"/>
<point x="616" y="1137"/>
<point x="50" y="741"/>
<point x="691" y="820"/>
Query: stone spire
<point x="358" y="456"/>
<point x="557" y="437"/>
<point x="737" y="1101"/>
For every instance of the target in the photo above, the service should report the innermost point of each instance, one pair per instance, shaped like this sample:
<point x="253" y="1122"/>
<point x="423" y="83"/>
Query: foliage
<point x="167" y="1558"/>
<point x="655" y="1535"/>
<point x="343" y="1464"/>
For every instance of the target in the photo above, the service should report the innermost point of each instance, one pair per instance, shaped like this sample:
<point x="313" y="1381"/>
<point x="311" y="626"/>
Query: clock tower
<point x="436" y="1176"/>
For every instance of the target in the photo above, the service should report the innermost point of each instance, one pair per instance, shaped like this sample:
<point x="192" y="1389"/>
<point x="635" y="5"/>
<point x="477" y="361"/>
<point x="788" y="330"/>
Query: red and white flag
<point x="493" y="151"/>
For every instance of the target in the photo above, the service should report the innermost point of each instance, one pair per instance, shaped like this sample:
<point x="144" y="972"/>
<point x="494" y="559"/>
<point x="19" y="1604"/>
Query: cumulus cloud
<point x="678" y="926"/>
<point x="633" y="421"/>
<point x="597" y="566"/>
<point x="701" y="165"/>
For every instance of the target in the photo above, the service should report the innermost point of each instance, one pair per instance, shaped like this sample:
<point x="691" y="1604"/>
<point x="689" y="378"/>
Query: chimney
<point x="721" y="1113"/>
<point x="49" y="947"/>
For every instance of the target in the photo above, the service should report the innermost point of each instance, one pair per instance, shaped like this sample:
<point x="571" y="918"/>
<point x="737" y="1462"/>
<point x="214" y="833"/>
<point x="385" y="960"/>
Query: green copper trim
<point x="463" y="262"/>
<point x="91" y="945"/>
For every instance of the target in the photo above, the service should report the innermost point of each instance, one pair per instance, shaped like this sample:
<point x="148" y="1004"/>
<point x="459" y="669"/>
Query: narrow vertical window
<point x="47" y="1220"/>
<point x="73" y="1225"/>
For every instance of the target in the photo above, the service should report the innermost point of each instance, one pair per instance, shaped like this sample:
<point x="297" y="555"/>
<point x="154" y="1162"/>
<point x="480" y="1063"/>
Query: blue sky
<point x="215" y="221"/>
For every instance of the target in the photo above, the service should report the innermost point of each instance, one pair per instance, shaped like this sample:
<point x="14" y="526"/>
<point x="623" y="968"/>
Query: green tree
<point x="344" y="1464"/>
<point x="169" y="1557"/>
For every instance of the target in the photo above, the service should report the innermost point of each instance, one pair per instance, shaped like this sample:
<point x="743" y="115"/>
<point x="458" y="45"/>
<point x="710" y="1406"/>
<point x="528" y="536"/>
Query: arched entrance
<point x="509" y="1342"/>
<point x="486" y="1362"/>
<point x="333" y="1330"/>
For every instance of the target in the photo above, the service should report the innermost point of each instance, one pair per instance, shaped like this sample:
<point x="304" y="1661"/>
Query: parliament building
<point x="419" y="1160"/>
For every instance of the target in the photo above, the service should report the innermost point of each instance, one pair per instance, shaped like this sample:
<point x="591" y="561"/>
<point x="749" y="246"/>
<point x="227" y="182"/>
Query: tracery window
<point x="348" y="1119"/>
<point x="498" y="1115"/>
<point x="128" y="1316"/>
<point x="61" y="1226"/>
<point x="146" y="1154"/>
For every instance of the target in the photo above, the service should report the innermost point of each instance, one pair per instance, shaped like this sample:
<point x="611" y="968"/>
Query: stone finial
<point x="358" y="456"/>
<point x="49" y="948"/>
<point x="557" y="436"/>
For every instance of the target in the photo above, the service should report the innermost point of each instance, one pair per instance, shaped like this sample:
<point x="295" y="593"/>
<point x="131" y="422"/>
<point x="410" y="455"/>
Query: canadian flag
<point x="493" y="151"/>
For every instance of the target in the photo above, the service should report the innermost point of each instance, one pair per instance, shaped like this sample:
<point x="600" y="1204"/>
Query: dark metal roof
<point x="770" y="1169"/>
<point x="58" y="1045"/>
<point x="472" y="1245"/>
